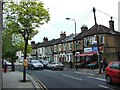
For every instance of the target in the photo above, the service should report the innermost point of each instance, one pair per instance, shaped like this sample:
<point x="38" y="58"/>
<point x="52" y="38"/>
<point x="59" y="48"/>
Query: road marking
<point x="50" y="71"/>
<point x="72" y="77"/>
<point x="84" y="73"/>
<point x="103" y="86"/>
<point x="41" y="85"/>
<point x="106" y="87"/>
<point x="97" y="78"/>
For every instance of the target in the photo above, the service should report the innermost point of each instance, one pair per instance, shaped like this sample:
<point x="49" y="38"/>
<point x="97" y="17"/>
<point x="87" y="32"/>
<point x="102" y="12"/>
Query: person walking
<point x="104" y="64"/>
<point x="70" y="64"/>
<point x="5" y="66"/>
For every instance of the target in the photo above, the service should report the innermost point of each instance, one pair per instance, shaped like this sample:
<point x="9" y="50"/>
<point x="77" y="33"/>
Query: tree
<point x="24" y="18"/>
<point x="8" y="49"/>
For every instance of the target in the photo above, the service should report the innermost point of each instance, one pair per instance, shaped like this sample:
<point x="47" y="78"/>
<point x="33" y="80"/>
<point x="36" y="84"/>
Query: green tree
<point x="24" y="18"/>
<point x="8" y="49"/>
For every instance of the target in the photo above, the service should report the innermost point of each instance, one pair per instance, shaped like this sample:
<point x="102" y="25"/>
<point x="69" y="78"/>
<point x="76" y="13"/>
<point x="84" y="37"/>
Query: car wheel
<point x="32" y="68"/>
<point x="108" y="79"/>
<point x="61" y="69"/>
<point x="53" y="68"/>
<point x="41" y="68"/>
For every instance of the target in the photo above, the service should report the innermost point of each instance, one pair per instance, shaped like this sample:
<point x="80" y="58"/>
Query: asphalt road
<point x="69" y="79"/>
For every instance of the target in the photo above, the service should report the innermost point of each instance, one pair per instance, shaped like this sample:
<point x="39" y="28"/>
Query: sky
<point x="80" y="11"/>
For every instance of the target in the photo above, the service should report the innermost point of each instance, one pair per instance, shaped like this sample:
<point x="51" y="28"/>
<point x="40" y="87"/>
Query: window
<point x="64" y="46"/>
<point x="59" y="47"/>
<point x="119" y="66"/>
<point x="102" y="39"/>
<point x="114" y="66"/>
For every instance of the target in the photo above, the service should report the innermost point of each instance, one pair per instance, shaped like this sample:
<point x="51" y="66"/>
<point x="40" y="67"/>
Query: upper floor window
<point x="60" y="47"/>
<point x="77" y="45"/>
<point x="70" y="45"/>
<point x="64" y="46"/>
<point x="55" y="48"/>
<point x="102" y="39"/>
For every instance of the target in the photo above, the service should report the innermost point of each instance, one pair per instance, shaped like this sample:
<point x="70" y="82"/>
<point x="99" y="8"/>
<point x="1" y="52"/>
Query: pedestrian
<point x="70" y="64"/>
<point x="104" y="64"/>
<point x="5" y="66"/>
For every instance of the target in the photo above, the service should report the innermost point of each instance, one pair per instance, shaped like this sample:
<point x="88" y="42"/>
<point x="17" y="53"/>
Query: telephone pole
<point x="97" y="37"/>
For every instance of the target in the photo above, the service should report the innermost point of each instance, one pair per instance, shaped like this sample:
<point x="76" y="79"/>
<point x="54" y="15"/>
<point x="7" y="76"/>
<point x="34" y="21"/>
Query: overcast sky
<point x="80" y="11"/>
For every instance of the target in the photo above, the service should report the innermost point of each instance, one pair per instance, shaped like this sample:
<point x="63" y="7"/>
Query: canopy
<point x="87" y="54"/>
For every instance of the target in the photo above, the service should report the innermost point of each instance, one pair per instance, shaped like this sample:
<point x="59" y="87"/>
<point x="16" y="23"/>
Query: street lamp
<point x="75" y="42"/>
<point x="1" y="28"/>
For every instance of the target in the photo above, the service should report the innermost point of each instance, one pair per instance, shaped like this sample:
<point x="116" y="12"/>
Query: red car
<point x="113" y="72"/>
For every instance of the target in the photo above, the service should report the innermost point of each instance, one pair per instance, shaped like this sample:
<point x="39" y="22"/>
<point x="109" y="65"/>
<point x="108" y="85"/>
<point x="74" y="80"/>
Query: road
<point x="70" y="79"/>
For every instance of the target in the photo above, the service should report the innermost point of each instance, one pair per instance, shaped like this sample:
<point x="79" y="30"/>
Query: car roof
<point x="115" y="62"/>
<point x="34" y="60"/>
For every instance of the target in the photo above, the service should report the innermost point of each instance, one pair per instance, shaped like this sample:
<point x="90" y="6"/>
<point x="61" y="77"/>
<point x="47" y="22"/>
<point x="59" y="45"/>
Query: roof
<point x="100" y="29"/>
<point x="48" y="43"/>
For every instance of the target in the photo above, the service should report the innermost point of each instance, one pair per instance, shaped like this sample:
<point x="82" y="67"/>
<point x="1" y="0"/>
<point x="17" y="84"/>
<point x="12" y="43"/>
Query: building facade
<point x="66" y="48"/>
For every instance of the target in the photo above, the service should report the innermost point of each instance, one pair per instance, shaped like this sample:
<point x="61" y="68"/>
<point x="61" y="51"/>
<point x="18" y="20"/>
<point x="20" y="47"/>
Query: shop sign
<point x="87" y="49"/>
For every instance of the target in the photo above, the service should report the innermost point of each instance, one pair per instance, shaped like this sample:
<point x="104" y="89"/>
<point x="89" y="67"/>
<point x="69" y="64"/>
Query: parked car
<point x="113" y="72"/>
<point x="55" y="66"/>
<point x="35" y="64"/>
<point x="8" y="63"/>
<point x="92" y="65"/>
<point x="45" y="63"/>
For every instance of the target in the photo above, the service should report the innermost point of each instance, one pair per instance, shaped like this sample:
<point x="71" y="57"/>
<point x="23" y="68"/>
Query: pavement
<point x="13" y="80"/>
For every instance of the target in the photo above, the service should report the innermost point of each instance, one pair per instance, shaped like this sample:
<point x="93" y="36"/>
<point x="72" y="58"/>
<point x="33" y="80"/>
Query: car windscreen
<point x="35" y="61"/>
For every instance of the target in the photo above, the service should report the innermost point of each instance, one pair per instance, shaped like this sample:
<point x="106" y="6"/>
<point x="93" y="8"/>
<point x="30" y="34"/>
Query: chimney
<point x="45" y="39"/>
<point x="63" y="34"/>
<point x="84" y="28"/>
<point x="32" y="42"/>
<point x="111" y="25"/>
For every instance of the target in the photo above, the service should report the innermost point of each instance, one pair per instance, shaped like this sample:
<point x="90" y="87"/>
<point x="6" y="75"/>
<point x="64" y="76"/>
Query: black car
<point x="45" y="63"/>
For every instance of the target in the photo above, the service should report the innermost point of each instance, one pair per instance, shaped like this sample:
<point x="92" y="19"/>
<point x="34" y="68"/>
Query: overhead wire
<point x="107" y="14"/>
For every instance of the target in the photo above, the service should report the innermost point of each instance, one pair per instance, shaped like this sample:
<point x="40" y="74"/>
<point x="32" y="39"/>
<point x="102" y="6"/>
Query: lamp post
<point x="75" y="42"/>
<point x="1" y="28"/>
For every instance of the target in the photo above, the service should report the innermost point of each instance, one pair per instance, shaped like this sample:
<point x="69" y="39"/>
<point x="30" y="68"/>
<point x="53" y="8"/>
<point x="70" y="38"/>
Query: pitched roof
<point x="100" y="29"/>
<point x="48" y="43"/>
<point x="69" y="38"/>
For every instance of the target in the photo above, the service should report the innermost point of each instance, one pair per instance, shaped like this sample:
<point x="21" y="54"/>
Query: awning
<point x="87" y="54"/>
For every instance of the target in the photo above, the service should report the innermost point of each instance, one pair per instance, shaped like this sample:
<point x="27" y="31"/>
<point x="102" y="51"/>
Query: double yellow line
<point x="40" y="84"/>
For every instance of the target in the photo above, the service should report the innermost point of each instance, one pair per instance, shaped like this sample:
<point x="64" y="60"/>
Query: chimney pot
<point x="111" y="24"/>
<point x="84" y="28"/>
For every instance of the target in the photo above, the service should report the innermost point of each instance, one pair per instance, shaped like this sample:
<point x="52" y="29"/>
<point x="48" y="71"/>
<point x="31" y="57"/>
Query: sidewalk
<point x="90" y="72"/>
<point x="14" y="80"/>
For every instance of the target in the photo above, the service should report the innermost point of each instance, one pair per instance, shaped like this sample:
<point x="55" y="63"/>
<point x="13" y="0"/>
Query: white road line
<point x="97" y="78"/>
<point x="103" y="86"/>
<point x="84" y="73"/>
<point x="72" y="77"/>
<point x="50" y="71"/>
<point x="106" y="87"/>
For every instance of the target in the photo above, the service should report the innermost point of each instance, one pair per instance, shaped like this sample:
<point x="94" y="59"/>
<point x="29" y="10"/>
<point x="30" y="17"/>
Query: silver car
<point x="35" y="64"/>
<point x="55" y="66"/>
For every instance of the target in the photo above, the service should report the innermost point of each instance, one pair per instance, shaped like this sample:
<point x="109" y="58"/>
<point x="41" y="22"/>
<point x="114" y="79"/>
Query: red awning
<point x="87" y="54"/>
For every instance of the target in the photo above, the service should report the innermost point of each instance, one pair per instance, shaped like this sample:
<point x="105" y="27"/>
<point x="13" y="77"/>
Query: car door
<point x="114" y="72"/>
<point x="118" y="73"/>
